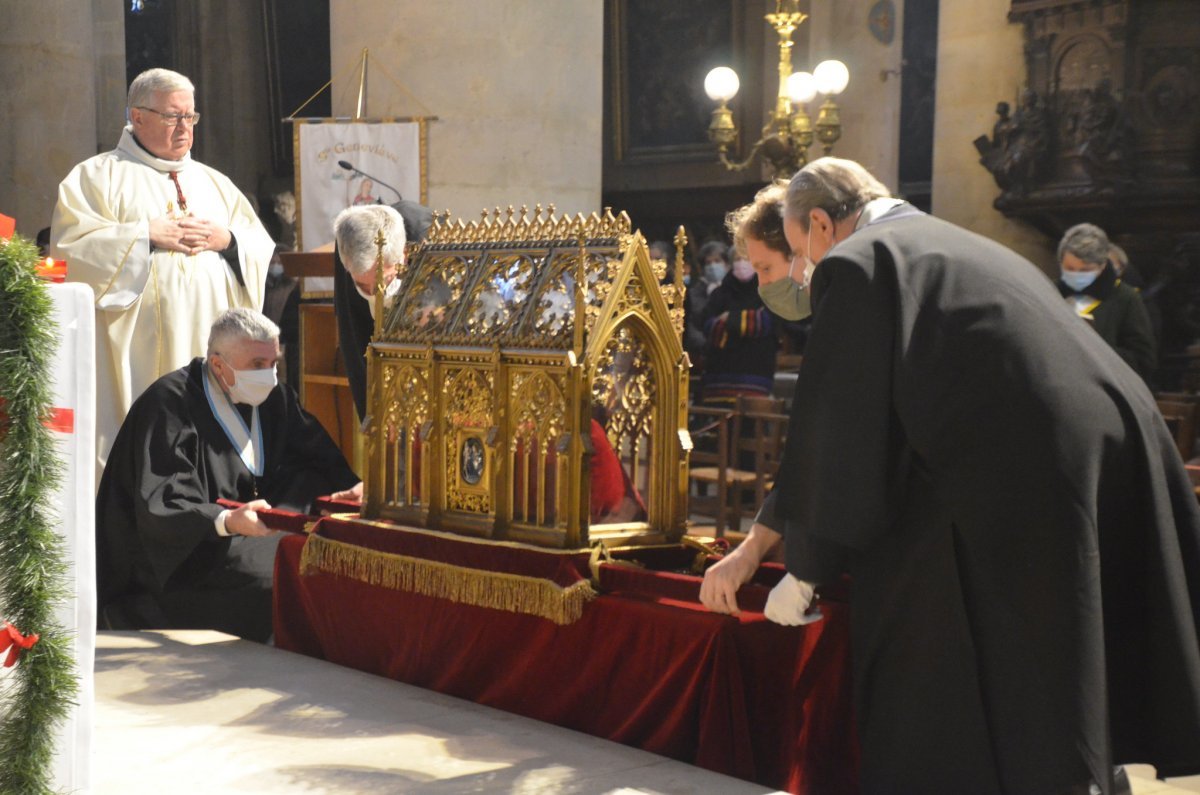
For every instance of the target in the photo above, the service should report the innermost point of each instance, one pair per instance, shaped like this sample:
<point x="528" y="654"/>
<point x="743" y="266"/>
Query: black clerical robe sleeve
<point x="312" y="444"/>
<point x="355" y="327"/>
<point x="310" y="464"/>
<point x="819" y="560"/>
<point x="230" y="255"/>
<point x="843" y="451"/>
<point x="172" y="510"/>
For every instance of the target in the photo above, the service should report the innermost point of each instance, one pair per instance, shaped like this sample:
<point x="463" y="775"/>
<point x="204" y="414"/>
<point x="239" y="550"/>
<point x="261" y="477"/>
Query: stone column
<point x="980" y="62"/>
<point x="219" y="45"/>
<point x="62" y="68"/>
<point x="870" y="106"/>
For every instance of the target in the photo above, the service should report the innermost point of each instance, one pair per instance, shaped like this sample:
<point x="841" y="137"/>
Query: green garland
<point x="38" y="694"/>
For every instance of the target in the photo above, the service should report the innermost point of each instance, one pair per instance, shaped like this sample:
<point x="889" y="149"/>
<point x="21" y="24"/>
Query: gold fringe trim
<point x="388" y="524"/>
<point x="513" y="593"/>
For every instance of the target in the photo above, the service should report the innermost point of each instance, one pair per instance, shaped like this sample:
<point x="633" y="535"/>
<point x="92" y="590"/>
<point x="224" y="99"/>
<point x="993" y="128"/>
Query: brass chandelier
<point x="789" y="132"/>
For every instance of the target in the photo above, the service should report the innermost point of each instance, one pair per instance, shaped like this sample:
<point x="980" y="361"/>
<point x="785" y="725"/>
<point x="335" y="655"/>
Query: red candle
<point x="54" y="270"/>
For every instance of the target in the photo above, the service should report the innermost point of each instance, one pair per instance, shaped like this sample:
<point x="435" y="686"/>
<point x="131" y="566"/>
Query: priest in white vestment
<point x="167" y="243"/>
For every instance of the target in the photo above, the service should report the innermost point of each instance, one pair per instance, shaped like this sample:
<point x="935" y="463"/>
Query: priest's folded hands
<point x="188" y="234"/>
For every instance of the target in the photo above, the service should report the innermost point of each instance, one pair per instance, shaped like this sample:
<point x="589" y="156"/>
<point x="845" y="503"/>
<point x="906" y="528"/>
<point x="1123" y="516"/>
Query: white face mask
<point x="252" y="386"/>
<point x="389" y="293"/>
<point x="809" y="265"/>
<point x="714" y="272"/>
<point x="1079" y="281"/>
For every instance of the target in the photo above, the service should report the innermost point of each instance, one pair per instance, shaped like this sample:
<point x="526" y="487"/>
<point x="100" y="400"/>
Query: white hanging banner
<point x="385" y="159"/>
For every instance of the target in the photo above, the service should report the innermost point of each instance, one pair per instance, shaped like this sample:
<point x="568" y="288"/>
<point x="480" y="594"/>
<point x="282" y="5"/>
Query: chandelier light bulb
<point x="801" y="88"/>
<point x="722" y="84"/>
<point x="831" y="77"/>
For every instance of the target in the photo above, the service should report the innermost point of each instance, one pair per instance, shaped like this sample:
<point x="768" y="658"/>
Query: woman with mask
<point x="1094" y="289"/>
<point x="711" y="265"/>
<point x="714" y="264"/>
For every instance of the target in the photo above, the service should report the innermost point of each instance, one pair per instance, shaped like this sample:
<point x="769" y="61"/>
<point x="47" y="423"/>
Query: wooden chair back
<point x="759" y="404"/>
<point x="708" y="479"/>
<point x="759" y="435"/>
<point x="1180" y="417"/>
<point x="1178" y="397"/>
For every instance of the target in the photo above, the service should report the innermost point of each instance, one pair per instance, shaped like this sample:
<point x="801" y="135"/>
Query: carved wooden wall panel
<point x="1108" y="131"/>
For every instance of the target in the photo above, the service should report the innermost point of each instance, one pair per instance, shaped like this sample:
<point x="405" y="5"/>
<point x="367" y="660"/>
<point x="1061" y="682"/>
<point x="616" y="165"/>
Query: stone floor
<point x="186" y="712"/>
<point x="200" y="712"/>
<point x="1144" y="783"/>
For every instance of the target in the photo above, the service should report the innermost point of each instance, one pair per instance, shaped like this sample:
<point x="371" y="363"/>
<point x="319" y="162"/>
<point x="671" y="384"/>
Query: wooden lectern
<point x="324" y="390"/>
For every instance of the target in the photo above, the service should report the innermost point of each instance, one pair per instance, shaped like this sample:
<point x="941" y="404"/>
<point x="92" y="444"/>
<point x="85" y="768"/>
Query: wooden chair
<point x="1180" y="417"/>
<point x="1193" y="472"/>
<point x="761" y="404"/>
<point x="759" y="434"/>
<point x="1178" y="397"/>
<point x="709" y="465"/>
<point x="747" y="451"/>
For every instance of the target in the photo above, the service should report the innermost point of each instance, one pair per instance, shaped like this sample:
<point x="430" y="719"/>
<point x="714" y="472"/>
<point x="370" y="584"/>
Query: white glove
<point x="788" y="602"/>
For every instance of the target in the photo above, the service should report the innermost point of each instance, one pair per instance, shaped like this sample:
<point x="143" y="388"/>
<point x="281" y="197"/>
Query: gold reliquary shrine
<point x="527" y="383"/>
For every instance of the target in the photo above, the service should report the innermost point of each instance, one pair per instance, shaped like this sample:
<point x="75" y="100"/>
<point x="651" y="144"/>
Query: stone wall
<point x="870" y="105"/>
<point x="516" y="87"/>
<point x="980" y="62"/>
<point x="62" y="65"/>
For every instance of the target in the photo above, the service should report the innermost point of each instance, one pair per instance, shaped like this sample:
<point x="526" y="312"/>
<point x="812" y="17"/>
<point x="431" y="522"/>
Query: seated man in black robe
<point x="1022" y="538"/>
<point x="168" y="556"/>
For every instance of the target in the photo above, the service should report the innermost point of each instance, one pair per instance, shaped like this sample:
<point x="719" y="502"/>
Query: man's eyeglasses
<point x="174" y="119"/>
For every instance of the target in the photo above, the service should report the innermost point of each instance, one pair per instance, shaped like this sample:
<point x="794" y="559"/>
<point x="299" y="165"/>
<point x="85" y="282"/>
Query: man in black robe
<point x="354" y="277"/>
<point x="1023" y="541"/>
<point x="168" y="556"/>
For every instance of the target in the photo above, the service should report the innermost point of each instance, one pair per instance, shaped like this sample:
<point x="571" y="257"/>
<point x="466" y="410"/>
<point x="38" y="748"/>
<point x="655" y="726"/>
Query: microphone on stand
<point x="349" y="167"/>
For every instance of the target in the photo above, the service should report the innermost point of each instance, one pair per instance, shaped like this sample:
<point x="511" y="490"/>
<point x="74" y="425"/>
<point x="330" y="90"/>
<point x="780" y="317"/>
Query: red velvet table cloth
<point x="646" y="666"/>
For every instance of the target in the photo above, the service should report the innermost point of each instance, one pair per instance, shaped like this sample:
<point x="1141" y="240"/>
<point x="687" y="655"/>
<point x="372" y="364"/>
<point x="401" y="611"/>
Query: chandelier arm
<point x="788" y="132"/>
<point x="733" y="165"/>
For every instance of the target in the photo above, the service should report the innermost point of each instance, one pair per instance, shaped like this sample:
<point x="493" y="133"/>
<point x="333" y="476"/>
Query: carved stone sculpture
<point x="1102" y="134"/>
<point x="1019" y="144"/>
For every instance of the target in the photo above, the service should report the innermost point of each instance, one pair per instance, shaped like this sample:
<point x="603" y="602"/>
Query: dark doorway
<point x="917" y="93"/>
<point x="149" y="36"/>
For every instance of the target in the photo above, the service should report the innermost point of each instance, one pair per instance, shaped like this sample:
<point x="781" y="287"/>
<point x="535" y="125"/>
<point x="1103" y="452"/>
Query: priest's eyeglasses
<point x="174" y="119"/>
